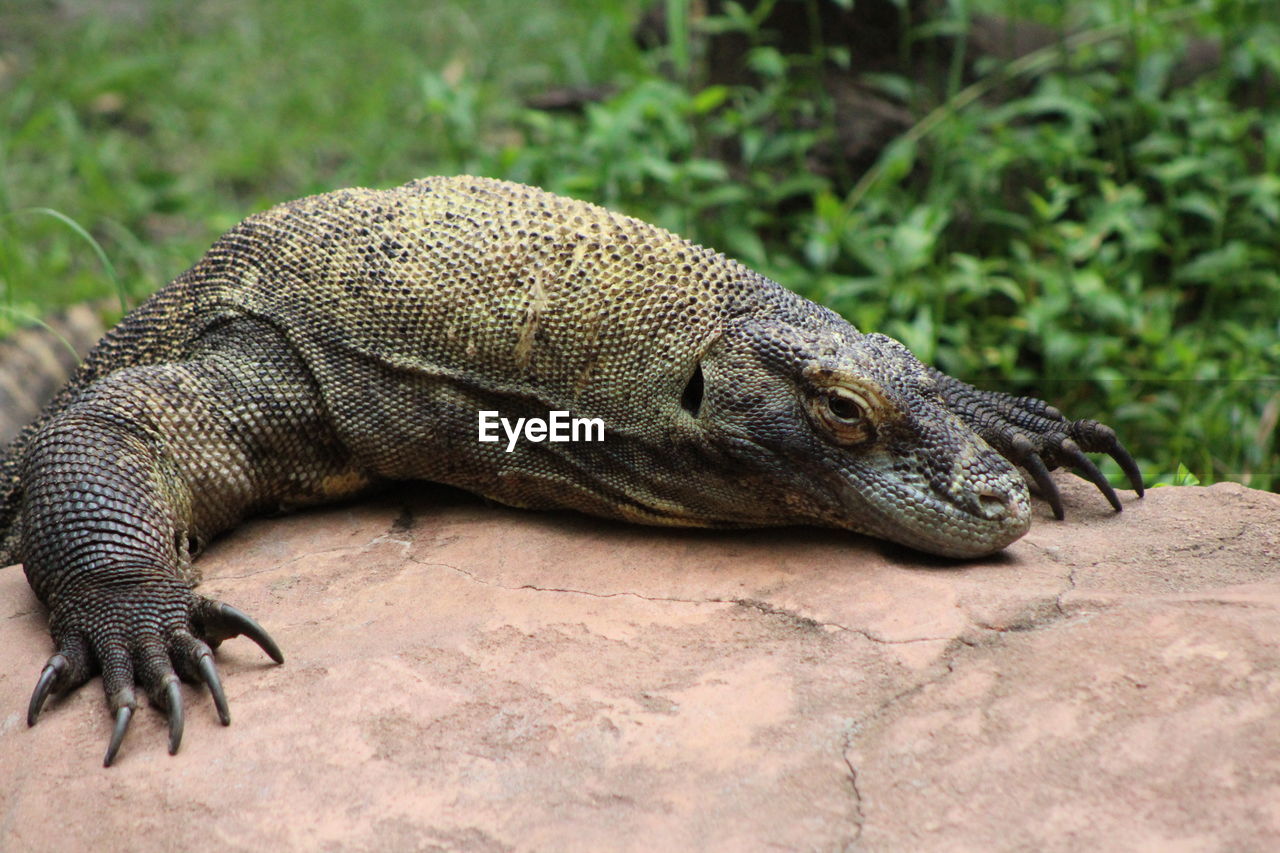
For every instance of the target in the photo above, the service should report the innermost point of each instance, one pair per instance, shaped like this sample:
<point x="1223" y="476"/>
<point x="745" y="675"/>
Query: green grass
<point x="159" y="125"/>
<point x="1082" y="225"/>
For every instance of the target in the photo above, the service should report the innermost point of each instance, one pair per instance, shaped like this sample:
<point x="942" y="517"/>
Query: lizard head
<point x="832" y="427"/>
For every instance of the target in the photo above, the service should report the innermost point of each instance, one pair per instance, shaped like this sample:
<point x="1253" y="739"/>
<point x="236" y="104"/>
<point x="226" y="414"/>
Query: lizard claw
<point x="221" y="622"/>
<point x="1066" y="451"/>
<point x="173" y="698"/>
<point x="123" y="716"/>
<point x="1024" y="454"/>
<point x="1076" y="458"/>
<point x="52" y="670"/>
<point x="1097" y="437"/>
<point x="209" y="672"/>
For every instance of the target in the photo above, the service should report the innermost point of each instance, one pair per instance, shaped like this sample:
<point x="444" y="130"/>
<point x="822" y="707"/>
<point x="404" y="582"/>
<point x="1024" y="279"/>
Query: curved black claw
<point x="1075" y="457"/>
<point x="1128" y="466"/>
<point x="1097" y="437"/>
<point x="228" y="621"/>
<point x="173" y="698"/>
<point x="209" y="672"/>
<point x="123" y="716"/>
<point x="52" y="670"/>
<point x="1025" y="455"/>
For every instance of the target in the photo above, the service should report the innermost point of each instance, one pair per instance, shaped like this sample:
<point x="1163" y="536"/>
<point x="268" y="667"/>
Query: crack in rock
<point x="946" y="661"/>
<point x="859" y="816"/>
<point x="1071" y="585"/>
<point x="337" y="549"/>
<point x="946" y="668"/>
<point x="1036" y="620"/>
<point x="1038" y="615"/>
<point x="799" y="620"/>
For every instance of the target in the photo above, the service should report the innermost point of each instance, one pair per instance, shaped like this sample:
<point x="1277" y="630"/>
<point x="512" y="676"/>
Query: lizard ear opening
<point x="691" y="398"/>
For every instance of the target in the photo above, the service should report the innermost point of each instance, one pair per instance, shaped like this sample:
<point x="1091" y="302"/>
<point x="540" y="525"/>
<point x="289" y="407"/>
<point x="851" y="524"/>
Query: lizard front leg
<point x="1036" y="436"/>
<point x="125" y="485"/>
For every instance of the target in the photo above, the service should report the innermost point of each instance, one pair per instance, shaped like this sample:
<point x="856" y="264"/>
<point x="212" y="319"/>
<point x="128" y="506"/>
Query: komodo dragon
<point x="344" y="340"/>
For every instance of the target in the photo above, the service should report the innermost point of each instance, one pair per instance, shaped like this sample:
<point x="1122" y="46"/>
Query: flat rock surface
<point x="462" y="676"/>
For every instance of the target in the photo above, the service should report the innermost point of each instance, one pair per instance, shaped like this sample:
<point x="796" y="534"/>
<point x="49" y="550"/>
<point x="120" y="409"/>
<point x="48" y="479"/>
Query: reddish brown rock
<point x="464" y="676"/>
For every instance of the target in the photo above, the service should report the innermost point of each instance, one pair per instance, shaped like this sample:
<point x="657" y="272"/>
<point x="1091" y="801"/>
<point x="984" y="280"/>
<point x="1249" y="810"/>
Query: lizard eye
<point x="844" y="414"/>
<point x="846" y="408"/>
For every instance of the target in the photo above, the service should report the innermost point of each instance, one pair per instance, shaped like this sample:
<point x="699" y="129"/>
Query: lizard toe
<point x="67" y="668"/>
<point x="193" y="660"/>
<point x="217" y="621"/>
<point x="123" y="716"/>
<point x="117" y="681"/>
<point x="1095" y="437"/>
<point x="1023" y="452"/>
<point x="157" y="674"/>
<point x="173" y="702"/>
<point x="209" y="674"/>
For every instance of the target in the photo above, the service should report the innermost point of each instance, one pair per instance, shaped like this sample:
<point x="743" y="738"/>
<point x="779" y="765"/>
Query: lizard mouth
<point x="969" y="522"/>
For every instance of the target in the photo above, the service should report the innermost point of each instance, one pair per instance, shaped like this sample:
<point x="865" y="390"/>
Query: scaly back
<point x="499" y="282"/>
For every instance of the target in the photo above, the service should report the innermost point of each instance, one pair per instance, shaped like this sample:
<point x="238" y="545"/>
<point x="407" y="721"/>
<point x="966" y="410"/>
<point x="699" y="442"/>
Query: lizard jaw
<point x="978" y="512"/>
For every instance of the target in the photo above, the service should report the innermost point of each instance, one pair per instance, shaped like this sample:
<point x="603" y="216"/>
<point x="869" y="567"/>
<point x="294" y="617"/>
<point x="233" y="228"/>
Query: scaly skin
<point x="351" y="338"/>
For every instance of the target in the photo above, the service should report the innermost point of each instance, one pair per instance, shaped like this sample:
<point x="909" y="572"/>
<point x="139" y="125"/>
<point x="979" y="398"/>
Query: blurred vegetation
<point x="1080" y="224"/>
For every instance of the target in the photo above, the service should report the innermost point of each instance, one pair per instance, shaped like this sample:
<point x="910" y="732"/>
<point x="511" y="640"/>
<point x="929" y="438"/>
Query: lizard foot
<point x="1034" y="435"/>
<point x="1046" y="440"/>
<point x="150" y="635"/>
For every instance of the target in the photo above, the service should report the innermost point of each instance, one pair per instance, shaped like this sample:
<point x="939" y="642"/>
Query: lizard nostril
<point x="993" y="505"/>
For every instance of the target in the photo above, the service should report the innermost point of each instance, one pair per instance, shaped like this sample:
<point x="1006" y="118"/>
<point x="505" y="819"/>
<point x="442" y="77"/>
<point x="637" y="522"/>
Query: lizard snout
<point x="994" y="504"/>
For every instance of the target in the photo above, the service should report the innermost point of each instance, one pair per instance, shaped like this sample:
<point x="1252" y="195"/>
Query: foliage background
<point x="1090" y="230"/>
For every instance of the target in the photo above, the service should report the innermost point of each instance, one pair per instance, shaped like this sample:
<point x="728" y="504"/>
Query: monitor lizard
<point x="344" y="340"/>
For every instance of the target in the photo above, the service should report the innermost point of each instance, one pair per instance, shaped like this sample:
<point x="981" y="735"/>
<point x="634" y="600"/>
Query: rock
<point x="464" y="676"/>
